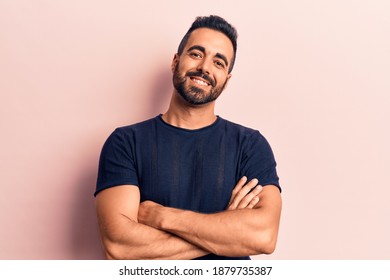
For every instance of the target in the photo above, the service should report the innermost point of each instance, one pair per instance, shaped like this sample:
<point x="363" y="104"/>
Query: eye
<point x="219" y="64"/>
<point x="195" y="55"/>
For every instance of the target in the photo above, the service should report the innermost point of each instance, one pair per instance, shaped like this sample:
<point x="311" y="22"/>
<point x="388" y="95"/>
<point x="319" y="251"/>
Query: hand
<point x="242" y="196"/>
<point x="147" y="213"/>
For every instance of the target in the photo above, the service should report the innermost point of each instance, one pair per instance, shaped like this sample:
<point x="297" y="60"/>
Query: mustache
<point x="201" y="75"/>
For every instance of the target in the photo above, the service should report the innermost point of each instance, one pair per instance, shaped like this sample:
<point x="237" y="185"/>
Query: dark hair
<point x="216" y="23"/>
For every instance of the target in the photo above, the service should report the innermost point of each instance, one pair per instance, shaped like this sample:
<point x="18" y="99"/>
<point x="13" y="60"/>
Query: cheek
<point x="221" y="79"/>
<point x="187" y="64"/>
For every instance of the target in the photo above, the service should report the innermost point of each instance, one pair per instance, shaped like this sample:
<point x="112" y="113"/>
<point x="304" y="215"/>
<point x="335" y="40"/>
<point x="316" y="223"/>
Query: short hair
<point x="216" y="23"/>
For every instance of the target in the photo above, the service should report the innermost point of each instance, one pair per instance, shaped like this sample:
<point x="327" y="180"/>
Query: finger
<point x="249" y="197"/>
<point x="245" y="201"/>
<point x="253" y="202"/>
<point x="238" y="187"/>
<point x="243" y="192"/>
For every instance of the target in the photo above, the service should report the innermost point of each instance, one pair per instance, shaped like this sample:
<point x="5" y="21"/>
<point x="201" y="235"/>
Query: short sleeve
<point x="259" y="161"/>
<point x="116" y="163"/>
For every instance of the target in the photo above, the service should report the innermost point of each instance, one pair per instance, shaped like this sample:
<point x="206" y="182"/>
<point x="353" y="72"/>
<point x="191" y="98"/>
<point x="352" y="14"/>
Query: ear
<point x="227" y="81"/>
<point x="175" y="61"/>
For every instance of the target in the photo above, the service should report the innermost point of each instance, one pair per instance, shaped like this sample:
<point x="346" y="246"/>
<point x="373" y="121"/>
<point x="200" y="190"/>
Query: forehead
<point x="213" y="41"/>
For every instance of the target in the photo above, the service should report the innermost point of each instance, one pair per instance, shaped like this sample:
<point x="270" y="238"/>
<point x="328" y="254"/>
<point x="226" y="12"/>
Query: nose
<point x="204" y="66"/>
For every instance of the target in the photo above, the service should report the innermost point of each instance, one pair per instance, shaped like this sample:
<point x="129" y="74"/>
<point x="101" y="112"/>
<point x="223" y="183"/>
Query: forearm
<point x="237" y="232"/>
<point x="133" y="240"/>
<point x="228" y="233"/>
<point x="124" y="237"/>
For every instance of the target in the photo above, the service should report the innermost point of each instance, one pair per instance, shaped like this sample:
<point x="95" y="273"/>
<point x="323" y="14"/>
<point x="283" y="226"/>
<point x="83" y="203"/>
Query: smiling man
<point x="189" y="184"/>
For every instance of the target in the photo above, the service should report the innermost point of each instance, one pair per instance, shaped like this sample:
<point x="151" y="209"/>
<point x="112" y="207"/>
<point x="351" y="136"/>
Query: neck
<point x="184" y="115"/>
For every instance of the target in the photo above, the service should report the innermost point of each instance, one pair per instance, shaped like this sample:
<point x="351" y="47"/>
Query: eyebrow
<point x="202" y="49"/>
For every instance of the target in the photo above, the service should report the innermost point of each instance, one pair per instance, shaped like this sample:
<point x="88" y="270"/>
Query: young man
<point x="188" y="184"/>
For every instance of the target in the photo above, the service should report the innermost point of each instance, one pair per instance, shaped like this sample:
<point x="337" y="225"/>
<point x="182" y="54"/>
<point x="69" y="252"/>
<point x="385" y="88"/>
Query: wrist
<point x="168" y="218"/>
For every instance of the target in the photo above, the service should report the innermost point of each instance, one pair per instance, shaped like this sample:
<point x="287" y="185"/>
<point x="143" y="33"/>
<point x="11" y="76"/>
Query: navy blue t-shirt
<point x="186" y="169"/>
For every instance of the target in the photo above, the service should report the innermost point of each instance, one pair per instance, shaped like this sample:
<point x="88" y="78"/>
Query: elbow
<point x="118" y="251"/>
<point x="109" y="255"/>
<point x="265" y="243"/>
<point x="267" y="248"/>
<point x="256" y="244"/>
<point x="113" y="251"/>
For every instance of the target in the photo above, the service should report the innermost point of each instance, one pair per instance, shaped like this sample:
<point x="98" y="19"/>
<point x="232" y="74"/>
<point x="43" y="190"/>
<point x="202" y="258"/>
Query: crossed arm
<point x="131" y="230"/>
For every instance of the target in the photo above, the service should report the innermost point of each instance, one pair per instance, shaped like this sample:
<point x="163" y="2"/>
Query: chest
<point x="197" y="173"/>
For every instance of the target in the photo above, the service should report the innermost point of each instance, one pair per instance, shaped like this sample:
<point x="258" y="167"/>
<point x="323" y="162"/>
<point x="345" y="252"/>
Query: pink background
<point x="312" y="76"/>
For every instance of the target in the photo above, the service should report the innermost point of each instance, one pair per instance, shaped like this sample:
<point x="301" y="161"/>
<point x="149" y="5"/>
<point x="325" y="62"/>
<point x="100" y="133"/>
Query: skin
<point x="124" y="236"/>
<point x="238" y="232"/>
<point x="147" y="230"/>
<point x="181" y="113"/>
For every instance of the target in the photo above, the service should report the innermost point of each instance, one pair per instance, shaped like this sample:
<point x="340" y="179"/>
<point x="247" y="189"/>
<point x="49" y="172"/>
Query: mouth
<point x="200" y="81"/>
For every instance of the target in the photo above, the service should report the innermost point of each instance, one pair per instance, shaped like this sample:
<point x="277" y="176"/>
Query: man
<point x="188" y="184"/>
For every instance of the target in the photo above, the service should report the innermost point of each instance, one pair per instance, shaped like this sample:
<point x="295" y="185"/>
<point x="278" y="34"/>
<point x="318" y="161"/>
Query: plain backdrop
<point x="312" y="76"/>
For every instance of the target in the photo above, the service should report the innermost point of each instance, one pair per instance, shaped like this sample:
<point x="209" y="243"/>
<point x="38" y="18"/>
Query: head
<point x="204" y="60"/>
<point x="216" y="23"/>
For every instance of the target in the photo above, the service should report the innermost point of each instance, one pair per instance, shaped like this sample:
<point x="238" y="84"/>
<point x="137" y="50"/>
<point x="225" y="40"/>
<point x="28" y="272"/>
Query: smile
<point x="199" y="81"/>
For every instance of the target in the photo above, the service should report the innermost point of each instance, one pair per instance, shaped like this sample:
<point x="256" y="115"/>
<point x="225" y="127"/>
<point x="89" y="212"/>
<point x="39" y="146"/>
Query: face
<point x="200" y="73"/>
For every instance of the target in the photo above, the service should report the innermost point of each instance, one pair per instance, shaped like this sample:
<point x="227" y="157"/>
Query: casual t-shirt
<point x="186" y="169"/>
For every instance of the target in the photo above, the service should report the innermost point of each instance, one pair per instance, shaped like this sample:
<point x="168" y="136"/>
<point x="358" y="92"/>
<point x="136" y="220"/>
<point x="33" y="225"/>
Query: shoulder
<point x="128" y="132"/>
<point x="241" y="131"/>
<point x="250" y="140"/>
<point x="125" y="135"/>
<point x="136" y="127"/>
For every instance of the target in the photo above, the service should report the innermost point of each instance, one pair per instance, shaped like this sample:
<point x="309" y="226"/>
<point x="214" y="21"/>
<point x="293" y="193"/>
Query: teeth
<point x="200" y="82"/>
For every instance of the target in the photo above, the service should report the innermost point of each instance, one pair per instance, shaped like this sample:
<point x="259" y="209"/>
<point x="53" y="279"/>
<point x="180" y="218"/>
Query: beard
<point x="192" y="94"/>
